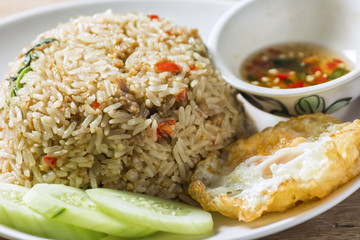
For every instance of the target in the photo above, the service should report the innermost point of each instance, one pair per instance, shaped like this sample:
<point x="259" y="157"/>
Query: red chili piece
<point x="299" y="85"/>
<point x="321" y="79"/>
<point x="182" y="95"/>
<point x="153" y="16"/>
<point x="331" y="65"/>
<point x="192" y="67"/>
<point x="165" y="128"/>
<point x="296" y="85"/>
<point x="95" y="105"/>
<point x="291" y="85"/>
<point x="51" y="161"/>
<point x="337" y="60"/>
<point x="167" y="67"/>
<point x="282" y="76"/>
<point x="316" y="68"/>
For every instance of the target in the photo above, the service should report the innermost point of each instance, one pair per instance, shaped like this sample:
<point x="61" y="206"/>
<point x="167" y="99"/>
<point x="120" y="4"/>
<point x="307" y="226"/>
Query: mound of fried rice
<point x="120" y="101"/>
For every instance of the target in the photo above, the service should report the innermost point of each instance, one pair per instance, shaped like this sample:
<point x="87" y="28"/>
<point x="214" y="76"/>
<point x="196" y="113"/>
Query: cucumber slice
<point x="15" y="214"/>
<point x="73" y="206"/>
<point x="161" y="214"/>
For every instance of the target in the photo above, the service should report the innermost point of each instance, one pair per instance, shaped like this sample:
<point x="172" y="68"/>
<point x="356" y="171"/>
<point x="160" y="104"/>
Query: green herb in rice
<point x="25" y="66"/>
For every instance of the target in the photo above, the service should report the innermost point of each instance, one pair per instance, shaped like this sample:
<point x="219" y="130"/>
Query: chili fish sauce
<point x="293" y="65"/>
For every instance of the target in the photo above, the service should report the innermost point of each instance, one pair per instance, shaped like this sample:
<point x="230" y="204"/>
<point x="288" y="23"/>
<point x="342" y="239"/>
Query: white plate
<point x="17" y="31"/>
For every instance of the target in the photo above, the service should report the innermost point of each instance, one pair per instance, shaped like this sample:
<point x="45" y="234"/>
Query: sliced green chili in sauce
<point x="338" y="72"/>
<point x="25" y="67"/>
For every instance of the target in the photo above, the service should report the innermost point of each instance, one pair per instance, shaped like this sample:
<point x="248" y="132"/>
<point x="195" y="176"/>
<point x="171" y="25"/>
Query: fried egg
<point x="302" y="159"/>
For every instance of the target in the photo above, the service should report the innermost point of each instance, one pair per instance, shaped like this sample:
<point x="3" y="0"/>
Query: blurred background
<point x="9" y="7"/>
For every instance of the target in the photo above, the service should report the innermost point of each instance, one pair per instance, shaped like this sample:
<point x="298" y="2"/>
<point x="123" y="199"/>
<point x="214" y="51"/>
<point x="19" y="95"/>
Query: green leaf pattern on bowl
<point x="338" y="104"/>
<point x="305" y="105"/>
<point x="315" y="103"/>
<point x="277" y="107"/>
<point x="310" y="104"/>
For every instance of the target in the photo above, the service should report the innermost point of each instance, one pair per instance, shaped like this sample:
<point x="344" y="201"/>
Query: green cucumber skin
<point x="18" y="216"/>
<point x="196" y="222"/>
<point x="43" y="199"/>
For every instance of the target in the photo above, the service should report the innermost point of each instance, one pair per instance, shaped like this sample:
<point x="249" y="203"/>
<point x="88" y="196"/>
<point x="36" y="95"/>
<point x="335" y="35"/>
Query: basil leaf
<point x="21" y="75"/>
<point x="44" y="41"/>
<point x="25" y="67"/>
<point x="26" y="62"/>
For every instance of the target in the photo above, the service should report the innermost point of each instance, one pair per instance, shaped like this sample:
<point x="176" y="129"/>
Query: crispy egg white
<point x="311" y="164"/>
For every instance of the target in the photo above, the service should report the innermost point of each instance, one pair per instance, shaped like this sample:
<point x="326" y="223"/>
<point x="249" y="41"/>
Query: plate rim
<point x="347" y="189"/>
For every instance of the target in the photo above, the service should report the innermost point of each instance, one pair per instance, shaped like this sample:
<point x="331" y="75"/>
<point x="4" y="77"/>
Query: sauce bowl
<point x="254" y="24"/>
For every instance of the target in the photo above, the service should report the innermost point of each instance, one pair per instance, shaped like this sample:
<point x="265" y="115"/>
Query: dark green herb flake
<point x="45" y="41"/>
<point x="339" y="72"/>
<point x="25" y="66"/>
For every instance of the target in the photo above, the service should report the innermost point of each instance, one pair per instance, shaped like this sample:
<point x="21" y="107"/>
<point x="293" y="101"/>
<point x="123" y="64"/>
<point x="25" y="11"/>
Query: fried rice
<point x="124" y="101"/>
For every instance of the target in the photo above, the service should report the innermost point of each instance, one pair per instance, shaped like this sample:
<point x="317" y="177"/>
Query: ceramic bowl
<point x="253" y="24"/>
